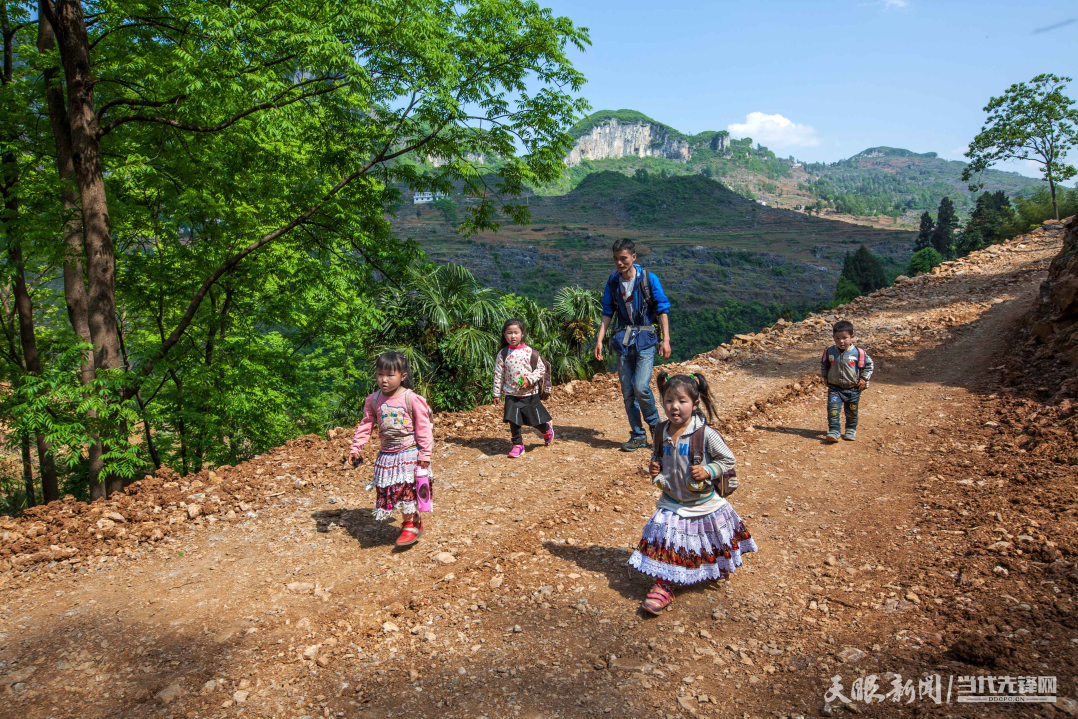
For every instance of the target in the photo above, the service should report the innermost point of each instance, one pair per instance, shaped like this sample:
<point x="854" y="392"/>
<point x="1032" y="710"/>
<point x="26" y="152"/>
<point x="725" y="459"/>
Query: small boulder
<point x="170" y="693"/>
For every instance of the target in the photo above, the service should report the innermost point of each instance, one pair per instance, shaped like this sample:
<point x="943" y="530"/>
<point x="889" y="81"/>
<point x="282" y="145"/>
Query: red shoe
<point x="410" y="534"/>
<point x="548" y="436"/>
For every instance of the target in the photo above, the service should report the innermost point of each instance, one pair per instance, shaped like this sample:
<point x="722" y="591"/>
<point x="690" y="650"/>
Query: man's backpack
<point x="725" y="484"/>
<point x="546" y="385"/>
<point x="645" y="291"/>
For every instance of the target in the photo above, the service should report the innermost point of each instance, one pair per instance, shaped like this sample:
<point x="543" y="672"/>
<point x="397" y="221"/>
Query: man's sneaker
<point x="516" y="451"/>
<point x="548" y="436"/>
<point x="832" y="437"/>
<point x="634" y="444"/>
<point x="851" y="435"/>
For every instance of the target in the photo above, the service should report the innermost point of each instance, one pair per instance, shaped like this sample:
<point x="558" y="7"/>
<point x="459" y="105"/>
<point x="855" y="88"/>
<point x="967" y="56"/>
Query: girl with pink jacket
<point x="406" y="432"/>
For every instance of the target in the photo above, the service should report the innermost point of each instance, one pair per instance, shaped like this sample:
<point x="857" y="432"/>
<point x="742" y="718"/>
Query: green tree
<point x="1034" y="122"/>
<point x="845" y="291"/>
<point x="924" y="233"/>
<point x="1035" y="208"/>
<point x="923" y="261"/>
<point x="226" y="217"/>
<point x="993" y="220"/>
<point x="448" y="208"/>
<point x="864" y="270"/>
<point x="943" y="232"/>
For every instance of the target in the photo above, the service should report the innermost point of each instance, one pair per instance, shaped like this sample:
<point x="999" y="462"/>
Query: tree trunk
<point x="24" y="309"/>
<point x="27" y="471"/>
<point x="50" y="488"/>
<point x="78" y="312"/>
<point x="181" y="425"/>
<point x="1052" y="189"/>
<point x="154" y="457"/>
<point x="68" y="23"/>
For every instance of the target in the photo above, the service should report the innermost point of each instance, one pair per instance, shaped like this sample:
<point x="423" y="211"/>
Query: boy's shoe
<point x="548" y="436"/>
<point x="409" y="534"/>
<point x="851" y="435"/>
<point x="659" y="598"/>
<point x="832" y="437"/>
<point x="634" y="444"/>
<point x="516" y="451"/>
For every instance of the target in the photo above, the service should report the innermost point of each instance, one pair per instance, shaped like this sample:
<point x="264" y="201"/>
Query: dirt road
<point x="518" y="603"/>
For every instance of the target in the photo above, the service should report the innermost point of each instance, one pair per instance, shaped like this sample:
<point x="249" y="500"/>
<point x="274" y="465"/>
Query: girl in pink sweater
<point x="406" y="431"/>
<point x="518" y="374"/>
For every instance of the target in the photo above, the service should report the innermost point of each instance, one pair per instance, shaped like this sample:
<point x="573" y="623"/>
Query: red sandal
<point x="410" y="534"/>
<point x="659" y="598"/>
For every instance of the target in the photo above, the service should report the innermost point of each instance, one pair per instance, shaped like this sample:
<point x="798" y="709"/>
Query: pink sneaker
<point x="516" y="451"/>
<point x="549" y="434"/>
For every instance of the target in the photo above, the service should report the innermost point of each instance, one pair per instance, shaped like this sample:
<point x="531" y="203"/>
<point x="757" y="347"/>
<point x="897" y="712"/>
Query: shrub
<point x="923" y="261"/>
<point x="845" y="291"/>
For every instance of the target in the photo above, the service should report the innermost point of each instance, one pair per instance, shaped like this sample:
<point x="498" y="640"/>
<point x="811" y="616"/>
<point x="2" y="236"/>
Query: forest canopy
<point x="196" y="249"/>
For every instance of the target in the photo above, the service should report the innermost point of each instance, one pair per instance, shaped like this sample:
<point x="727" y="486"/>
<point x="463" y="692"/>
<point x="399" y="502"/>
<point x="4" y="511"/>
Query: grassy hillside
<point x="730" y="264"/>
<point x="880" y="177"/>
<point x="882" y="185"/>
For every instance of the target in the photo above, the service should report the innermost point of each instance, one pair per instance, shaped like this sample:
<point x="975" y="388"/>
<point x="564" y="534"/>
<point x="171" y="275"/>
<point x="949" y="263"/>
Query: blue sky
<point x="842" y="75"/>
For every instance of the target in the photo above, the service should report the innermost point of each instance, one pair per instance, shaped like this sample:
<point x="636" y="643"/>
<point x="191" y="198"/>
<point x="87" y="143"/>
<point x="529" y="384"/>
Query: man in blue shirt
<point x="636" y="297"/>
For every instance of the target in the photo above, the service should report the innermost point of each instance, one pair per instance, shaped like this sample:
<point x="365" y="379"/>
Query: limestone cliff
<point x="610" y="134"/>
<point x="612" y="139"/>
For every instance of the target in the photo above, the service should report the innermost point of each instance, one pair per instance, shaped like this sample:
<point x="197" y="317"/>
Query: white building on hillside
<point x="419" y="198"/>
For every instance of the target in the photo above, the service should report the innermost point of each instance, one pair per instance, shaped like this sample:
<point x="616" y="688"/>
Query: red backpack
<point x="860" y="357"/>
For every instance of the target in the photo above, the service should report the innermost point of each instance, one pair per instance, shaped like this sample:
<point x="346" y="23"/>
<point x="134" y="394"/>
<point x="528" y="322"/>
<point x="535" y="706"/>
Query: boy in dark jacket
<point x="847" y="370"/>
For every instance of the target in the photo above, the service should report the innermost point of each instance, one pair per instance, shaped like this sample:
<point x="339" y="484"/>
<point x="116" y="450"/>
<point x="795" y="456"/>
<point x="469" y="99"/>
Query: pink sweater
<point x="395" y="426"/>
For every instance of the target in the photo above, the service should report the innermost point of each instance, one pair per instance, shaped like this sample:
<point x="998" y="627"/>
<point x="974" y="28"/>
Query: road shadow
<point x="360" y="525"/>
<point x="817" y="434"/>
<point x="612" y="562"/>
<point x="562" y="433"/>
<point x="585" y="435"/>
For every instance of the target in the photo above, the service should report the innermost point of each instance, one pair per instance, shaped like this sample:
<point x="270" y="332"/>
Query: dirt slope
<point x="942" y="541"/>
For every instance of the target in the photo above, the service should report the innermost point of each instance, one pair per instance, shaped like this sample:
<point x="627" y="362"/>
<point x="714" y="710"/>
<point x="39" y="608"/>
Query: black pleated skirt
<point x="527" y="410"/>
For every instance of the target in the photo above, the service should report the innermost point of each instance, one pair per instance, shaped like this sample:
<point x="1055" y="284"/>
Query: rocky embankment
<point x="1054" y="322"/>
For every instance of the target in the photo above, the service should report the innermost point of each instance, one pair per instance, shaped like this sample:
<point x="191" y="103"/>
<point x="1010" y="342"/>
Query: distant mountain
<point x="878" y="181"/>
<point x="729" y="263"/>
<point x="879" y="177"/>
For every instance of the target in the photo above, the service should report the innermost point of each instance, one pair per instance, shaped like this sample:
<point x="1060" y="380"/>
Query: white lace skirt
<point x="687" y="551"/>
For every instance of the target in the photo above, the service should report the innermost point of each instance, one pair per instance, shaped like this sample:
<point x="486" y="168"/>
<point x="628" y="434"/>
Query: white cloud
<point x="888" y="4"/>
<point x="774" y="131"/>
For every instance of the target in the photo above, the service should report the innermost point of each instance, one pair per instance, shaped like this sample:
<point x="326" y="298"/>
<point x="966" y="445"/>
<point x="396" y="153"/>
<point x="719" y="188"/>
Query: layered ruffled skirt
<point x="394" y="481"/>
<point x="687" y="550"/>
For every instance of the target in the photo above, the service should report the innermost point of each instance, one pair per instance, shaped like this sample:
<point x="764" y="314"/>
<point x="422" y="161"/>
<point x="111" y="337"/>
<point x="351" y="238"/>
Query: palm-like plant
<point x="579" y="310"/>
<point x="448" y="326"/>
<point x="445" y="322"/>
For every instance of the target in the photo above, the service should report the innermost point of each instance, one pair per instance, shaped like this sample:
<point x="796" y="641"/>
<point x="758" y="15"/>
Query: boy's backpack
<point x="725" y="484"/>
<point x="545" y="385"/>
<point x="645" y="291"/>
<point x="860" y="357"/>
